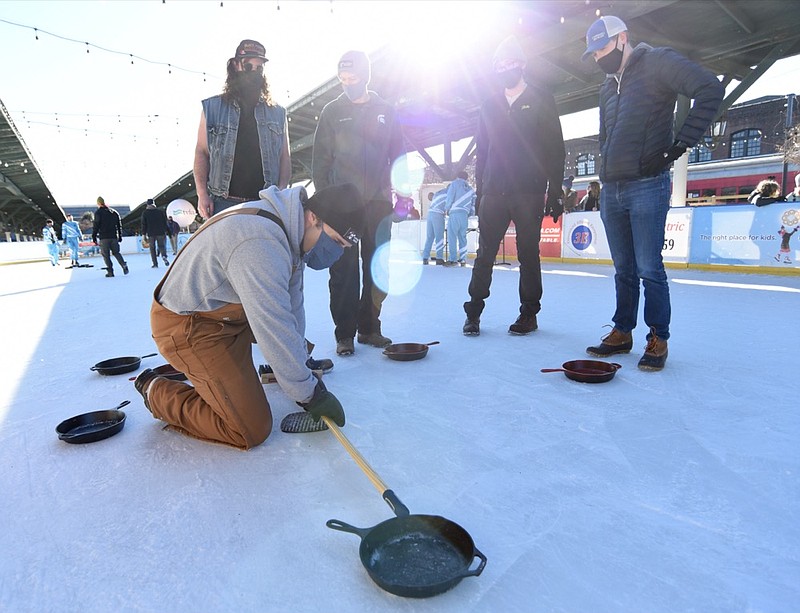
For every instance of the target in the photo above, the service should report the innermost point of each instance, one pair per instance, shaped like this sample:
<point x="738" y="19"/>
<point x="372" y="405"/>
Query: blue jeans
<point x="435" y="236"/>
<point x="634" y="213"/>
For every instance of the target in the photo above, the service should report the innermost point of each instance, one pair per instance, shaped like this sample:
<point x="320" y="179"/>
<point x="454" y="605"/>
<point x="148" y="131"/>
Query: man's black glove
<point x="323" y="403"/>
<point x="554" y="205"/>
<point x="655" y="163"/>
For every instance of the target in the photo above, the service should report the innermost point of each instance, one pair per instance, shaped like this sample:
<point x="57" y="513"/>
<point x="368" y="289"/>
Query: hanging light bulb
<point x="170" y="68"/>
<point x="36" y="33"/>
<point x="131" y="54"/>
<point x="87" y="46"/>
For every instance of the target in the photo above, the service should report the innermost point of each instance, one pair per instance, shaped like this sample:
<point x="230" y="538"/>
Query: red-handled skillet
<point x="587" y="371"/>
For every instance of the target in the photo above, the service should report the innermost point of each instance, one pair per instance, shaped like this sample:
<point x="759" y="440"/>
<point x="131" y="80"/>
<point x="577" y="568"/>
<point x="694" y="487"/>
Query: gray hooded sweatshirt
<point x="246" y="259"/>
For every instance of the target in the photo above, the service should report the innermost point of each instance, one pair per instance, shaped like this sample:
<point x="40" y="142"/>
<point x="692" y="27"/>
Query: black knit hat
<point x="356" y="62"/>
<point x="342" y="208"/>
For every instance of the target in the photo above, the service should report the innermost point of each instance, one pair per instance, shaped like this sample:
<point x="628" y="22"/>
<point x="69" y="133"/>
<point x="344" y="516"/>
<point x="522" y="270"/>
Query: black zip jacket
<point x="519" y="149"/>
<point x="636" y="113"/>
<point x="357" y="143"/>
<point x="106" y="224"/>
<point x="154" y="222"/>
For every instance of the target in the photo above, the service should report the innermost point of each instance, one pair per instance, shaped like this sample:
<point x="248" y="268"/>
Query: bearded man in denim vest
<point x="243" y="138"/>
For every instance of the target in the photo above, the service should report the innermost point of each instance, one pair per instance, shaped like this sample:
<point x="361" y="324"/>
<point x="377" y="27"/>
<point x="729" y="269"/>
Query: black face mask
<point x="611" y="62"/>
<point x="509" y="78"/>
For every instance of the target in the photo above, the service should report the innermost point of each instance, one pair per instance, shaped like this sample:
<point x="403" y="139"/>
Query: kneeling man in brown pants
<point x="239" y="280"/>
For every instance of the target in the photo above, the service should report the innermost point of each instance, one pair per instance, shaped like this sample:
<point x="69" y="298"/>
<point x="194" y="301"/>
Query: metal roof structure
<point x="439" y="103"/>
<point x="738" y="39"/>
<point x="25" y="199"/>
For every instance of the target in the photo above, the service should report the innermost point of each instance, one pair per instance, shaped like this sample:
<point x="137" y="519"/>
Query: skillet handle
<point x="479" y="570"/>
<point x="615" y="365"/>
<point x="337" y="524"/>
<point x="555" y="370"/>
<point x="432" y="343"/>
<point x="394" y="503"/>
<point x="149" y="355"/>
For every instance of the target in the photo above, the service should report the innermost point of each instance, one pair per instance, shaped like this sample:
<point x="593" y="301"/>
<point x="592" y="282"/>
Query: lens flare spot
<point x="396" y="267"/>
<point x="408" y="173"/>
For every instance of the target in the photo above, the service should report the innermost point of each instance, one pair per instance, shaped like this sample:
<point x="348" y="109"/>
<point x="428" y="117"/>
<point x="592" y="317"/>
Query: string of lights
<point x="170" y="66"/>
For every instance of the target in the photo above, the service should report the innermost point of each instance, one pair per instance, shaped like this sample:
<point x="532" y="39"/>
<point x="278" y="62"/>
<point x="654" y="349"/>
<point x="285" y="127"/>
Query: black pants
<point x="109" y="247"/>
<point x="495" y="213"/>
<point x="353" y="313"/>
<point x="158" y="246"/>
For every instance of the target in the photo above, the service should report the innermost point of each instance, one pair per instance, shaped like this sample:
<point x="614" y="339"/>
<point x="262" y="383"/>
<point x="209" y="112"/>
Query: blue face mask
<point x="324" y="254"/>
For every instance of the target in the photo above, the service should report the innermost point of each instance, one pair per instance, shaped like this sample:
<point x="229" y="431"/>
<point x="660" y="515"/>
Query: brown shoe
<point x="613" y="343"/>
<point x="376" y="339"/>
<point x="655" y="354"/>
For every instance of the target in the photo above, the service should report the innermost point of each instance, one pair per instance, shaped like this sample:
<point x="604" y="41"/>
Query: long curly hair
<point x="233" y="90"/>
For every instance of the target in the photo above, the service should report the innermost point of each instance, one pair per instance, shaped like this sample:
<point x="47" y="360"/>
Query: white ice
<point x="664" y="492"/>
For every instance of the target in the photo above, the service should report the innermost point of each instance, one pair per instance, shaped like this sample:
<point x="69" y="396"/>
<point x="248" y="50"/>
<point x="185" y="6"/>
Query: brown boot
<point x="613" y="343"/>
<point x="655" y="354"/>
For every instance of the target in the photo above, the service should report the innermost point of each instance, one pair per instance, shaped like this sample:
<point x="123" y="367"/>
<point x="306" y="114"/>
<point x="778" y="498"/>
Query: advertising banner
<point x="747" y="235"/>
<point x="585" y="236"/>
<point x="550" y="237"/>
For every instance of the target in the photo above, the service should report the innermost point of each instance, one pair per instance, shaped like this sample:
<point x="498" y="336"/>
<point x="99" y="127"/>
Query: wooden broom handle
<point x="362" y="463"/>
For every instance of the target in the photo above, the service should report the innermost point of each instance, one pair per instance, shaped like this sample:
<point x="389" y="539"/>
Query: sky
<point x="121" y="123"/>
<point x="670" y="492"/>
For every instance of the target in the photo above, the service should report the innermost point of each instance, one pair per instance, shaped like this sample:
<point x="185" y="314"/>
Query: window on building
<point x="701" y="152"/>
<point x="745" y="143"/>
<point x="584" y="164"/>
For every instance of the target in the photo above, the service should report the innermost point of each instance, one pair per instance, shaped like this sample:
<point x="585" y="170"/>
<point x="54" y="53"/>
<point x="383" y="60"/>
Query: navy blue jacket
<point x="519" y="149"/>
<point x="636" y="112"/>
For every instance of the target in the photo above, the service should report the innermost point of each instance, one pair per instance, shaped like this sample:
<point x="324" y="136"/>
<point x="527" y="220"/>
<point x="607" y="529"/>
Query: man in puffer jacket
<point x="637" y="147"/>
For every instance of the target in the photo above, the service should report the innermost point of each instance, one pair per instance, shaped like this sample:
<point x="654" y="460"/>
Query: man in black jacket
<point x="107" y="232"/>
<point x="637" y="147"/>
<point x="155" y="228"/>
<point x="357" y="140"/>
<point x="520" y="154"/>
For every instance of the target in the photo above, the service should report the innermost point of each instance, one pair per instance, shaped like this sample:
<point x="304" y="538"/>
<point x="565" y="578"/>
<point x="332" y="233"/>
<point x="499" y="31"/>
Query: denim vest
<point x="222" y="124"/>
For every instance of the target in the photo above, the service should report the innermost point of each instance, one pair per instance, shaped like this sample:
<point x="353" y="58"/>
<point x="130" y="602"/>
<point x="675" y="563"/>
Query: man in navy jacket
<point x="637" y="147"/>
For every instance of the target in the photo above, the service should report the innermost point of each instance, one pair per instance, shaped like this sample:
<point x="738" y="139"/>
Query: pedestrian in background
<point x="637" y="147"/>
<point x="107" y="232"/>
<point x="591" y="201"/>
<point x="435" y="227"/>
<point x="520" y="155"/>
<point x="173" y="230"/>
<point x="155" y="228"/>
<point x="51" y="240"/>
<point x="71" y="234"/>
<point x="357" y="141"/>
<point x="460" y="204"/>
<point x="766" y="192"/>
<point x="243" y="138"/>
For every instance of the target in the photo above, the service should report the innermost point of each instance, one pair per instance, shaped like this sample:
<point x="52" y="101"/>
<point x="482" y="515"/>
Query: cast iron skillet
<point x="587" y="371"/>
<point x="415" y="555"/>
<point x="119" y="366"/>
<point x="410" y="555"/>
<point x="406" y="352"/>
<point x="94" y="426"/>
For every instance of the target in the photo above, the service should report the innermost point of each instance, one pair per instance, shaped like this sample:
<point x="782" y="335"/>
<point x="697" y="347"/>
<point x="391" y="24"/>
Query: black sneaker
<point x="472" y="327"/>
<point x="525" y="324"/>
<point x="125" y="268"/>
<point x="450" y="264"/>
<point x="142" y="384"/>
<point x="154" y="266"/>
<point x="110" y="273"/>
<point x="325" y="365"/>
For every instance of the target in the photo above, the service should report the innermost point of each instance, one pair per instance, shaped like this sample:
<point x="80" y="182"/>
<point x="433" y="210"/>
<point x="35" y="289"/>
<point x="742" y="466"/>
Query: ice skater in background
<point x="460" y="205"/>
<point x="435" y="224"/>
<point x="51" y="240"/>
<point x="785" y="250"/>
<point x="71" y="233"/>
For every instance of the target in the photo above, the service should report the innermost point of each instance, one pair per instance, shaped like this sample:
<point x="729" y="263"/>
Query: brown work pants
<point x="227" y="403"/>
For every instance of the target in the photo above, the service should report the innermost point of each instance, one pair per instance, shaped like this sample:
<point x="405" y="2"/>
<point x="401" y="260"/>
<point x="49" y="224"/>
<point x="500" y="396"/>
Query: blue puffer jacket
<point x="636" y="113"/>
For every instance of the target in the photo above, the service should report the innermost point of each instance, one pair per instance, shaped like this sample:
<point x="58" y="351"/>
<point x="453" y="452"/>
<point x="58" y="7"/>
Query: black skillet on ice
<point x="407" y="352"/>
<point x="410" y="555"/>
